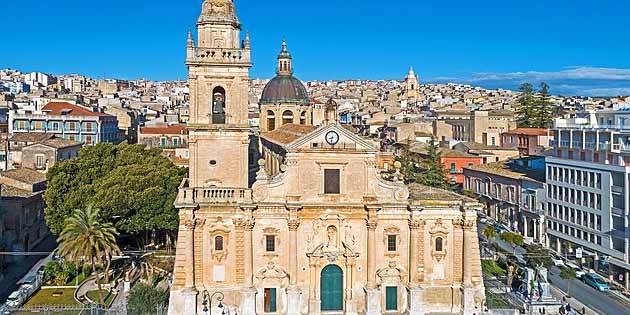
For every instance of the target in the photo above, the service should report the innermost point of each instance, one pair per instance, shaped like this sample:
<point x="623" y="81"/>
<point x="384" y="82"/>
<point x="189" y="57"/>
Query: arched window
<point x="271" y="120"/>
<point x="218" y="243"/>
<point x="218" y="105"/>
<point x="439" y="246"/>
<point x="413" y="86"/>
<point x="303" y="118"/>
<point x="287" y="117"/>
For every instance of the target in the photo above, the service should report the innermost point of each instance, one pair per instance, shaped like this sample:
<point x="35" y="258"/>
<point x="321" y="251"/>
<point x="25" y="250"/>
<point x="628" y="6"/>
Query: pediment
<point x="316" y="139"/>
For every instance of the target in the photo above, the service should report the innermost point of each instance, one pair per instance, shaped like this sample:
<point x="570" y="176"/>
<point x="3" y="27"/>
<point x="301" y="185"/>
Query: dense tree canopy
<point x="145" y="299"/>
<point x="535" y="110"/>
<point x="427" y="171"/>
<point x="133" y="187"/>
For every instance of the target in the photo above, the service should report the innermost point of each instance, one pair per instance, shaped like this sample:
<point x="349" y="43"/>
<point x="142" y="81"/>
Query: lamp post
<point x="207" y="302"/>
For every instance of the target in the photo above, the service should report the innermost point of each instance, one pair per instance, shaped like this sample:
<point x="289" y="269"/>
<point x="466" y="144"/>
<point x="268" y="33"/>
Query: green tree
<point x="545" y="108"/>
<point x="537" y="255"/>
<point x="85" y="237"/>
<point x="489" y="232"/>
<point x="145" y="300"/>
<point x="567" y="274"/>
<point x="514" y="239"/>
<point x="433" y="171"/>
<point x="526" y="106"/>
<point x="133" y="187"/>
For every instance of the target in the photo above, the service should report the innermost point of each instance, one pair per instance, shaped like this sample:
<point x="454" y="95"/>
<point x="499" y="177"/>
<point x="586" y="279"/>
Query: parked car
<point x="483" y="220"/>
<point x="15" y="299"/>
<point x="578" y="271"/>
<point x="596" y="282"/>
<point x="558" y="262"/>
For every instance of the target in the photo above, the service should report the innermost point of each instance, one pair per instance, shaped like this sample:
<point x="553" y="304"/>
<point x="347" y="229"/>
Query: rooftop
<point x="30" y="137"/>
<point x="59" y="143"/>
<point x="168" y="130"/>
<point x="10" y="191"/>
<point x="287" y="133"/>
<point x="531" y="132"/>
<point x="510" y="170"/>
<point x="420" y="193"/>
<point x="63" y="108"/>
<point x="24" y="175"/>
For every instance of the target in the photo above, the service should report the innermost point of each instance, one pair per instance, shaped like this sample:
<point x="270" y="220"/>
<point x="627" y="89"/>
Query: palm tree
<point x="85" y="237"/>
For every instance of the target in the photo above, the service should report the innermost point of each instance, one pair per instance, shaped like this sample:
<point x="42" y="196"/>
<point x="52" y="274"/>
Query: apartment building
<point x="480" y="126"/>
<point x="588" y="186"/>
<point x="513" y="193"/>
<point x="67" y="121"/>
<point x="528" y="141"/>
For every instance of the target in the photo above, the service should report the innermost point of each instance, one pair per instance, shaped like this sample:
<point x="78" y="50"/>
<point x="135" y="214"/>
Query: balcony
<point x="212" y="195"/>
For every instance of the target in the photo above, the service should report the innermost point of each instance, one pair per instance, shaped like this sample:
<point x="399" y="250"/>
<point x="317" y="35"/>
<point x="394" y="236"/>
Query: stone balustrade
<point x="212" y="195"/>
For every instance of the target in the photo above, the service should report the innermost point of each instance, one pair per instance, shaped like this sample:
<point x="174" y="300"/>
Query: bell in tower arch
<point x="218" y="105"/>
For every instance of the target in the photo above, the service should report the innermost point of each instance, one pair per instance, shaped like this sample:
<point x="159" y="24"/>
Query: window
<point x="270" y="243"/>
<point x="218" y="243"/>
<point x="89" y="140"/>
<point x="40" y="162"/>
<point x="332" y="183"/>
<point x="163" y="142"/>
<point x="175" y="142"/>
<point x="453" y="168"/>
<point x="270" y="300"/>
<point x="391" y="243"/>
<point x="439" y="246"/>
<point x="391" y="298"/>
<point x="72" y="126"/>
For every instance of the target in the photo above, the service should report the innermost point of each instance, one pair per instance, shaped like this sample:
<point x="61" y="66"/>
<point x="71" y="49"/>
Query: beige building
<point x="319" y="231"/>
<point x="478" y="126"/>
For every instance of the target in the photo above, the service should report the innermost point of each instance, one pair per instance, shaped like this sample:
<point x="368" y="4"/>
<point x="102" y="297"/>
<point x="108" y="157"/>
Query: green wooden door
<point x="331" y="290"/>
<point x="391" y="298"/>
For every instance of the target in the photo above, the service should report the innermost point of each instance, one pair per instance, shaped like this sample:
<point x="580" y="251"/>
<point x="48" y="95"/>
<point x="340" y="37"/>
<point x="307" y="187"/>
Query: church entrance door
<point x="332" y="288"/>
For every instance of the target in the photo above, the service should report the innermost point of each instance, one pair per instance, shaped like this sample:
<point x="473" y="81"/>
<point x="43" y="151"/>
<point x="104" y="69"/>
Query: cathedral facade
<point x="318" y="230"/>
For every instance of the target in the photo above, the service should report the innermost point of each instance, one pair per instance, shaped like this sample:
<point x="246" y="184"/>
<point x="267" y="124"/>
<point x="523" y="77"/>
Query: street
<point x="15" y="271"/>
<point x="603" y="302"/>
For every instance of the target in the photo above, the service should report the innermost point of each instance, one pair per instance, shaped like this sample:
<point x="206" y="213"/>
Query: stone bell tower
<point x="218" y="76"/>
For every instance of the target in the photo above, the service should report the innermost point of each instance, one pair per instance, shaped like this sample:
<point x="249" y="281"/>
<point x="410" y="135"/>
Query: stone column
<point x="190" y="292"/>
<point x="372" y="292"/>
<point x="349" y="277"/>
<point x="314" y="303"/>
<point x="248" y="293"/>
<point x="525" y="230"/>
<point x="414" y="247"/>
<point x="293" y="292"/>
<point x="470" y="291"/>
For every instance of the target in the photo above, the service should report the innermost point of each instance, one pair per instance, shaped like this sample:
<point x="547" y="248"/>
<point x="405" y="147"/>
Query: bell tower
<point x="218" y="76"/>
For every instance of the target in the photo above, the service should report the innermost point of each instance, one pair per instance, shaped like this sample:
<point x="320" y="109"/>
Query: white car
<point x="558" y="262"/>
<point x="14" y="300"/>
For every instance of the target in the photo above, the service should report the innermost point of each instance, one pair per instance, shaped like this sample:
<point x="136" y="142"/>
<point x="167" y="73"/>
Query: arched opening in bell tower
<point x="218" y="105"/>
<point x="287" y="117"/>
<point x="271" y="120"/>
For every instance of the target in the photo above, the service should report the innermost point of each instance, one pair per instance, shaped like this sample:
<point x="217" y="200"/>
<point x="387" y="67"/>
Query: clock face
<point x="332" y="138"/>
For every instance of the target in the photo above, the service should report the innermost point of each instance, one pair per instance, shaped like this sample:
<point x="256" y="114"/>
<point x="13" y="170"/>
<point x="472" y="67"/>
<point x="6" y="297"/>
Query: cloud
<point x="578" y="73"/>
<point x="583" y="81"/>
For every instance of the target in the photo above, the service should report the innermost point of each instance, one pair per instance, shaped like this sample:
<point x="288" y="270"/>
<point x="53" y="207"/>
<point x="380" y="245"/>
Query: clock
<point x="332" y="137"/>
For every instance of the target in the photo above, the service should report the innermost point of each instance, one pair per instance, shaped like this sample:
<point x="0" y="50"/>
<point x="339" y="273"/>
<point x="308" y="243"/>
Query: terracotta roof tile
<point x="530" y="132"/>
<point x="170" y="130"/>
<point x="287" y="133"/>
<point x="24" y="175"/>
<point x="63" y="108"/>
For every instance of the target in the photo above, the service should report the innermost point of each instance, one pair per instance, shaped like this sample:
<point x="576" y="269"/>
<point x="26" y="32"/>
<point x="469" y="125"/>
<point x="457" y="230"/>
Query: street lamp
<point x="207" y="302"/>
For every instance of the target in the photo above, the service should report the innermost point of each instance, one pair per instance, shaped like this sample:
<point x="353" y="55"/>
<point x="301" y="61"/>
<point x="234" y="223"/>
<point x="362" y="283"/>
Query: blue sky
<point x="457" y="40"/>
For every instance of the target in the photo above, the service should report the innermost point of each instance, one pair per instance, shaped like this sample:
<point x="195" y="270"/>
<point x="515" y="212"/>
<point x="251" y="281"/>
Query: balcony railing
<point x="212" y="195"/>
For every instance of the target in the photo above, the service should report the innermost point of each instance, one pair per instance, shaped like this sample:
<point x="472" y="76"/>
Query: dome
<point x="284" y="89"/>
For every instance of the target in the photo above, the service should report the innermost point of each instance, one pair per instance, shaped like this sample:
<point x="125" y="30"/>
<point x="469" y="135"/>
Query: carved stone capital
<point x="371" y="224"/>
<point x="190" y="224"/>
<point x="293" y="224"/>
<point x="415" y="224"/>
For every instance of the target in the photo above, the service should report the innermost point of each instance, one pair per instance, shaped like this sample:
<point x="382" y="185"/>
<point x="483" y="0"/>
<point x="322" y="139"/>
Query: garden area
<point x="53" y="297"/>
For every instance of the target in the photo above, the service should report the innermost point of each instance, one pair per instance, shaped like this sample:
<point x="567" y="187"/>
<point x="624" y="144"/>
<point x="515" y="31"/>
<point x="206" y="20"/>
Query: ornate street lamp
<point x="207" y="302"/>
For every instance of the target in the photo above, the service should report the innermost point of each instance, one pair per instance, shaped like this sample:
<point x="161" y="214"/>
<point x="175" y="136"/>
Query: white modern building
<point x="588" y="189"/>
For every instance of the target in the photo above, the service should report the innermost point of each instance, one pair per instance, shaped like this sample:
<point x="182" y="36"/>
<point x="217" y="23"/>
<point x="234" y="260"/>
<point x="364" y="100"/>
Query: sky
<point x="578" y="46"/>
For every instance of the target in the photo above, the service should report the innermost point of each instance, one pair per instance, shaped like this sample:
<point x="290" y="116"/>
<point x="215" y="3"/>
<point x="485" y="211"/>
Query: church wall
<point x="221" y="158"/>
